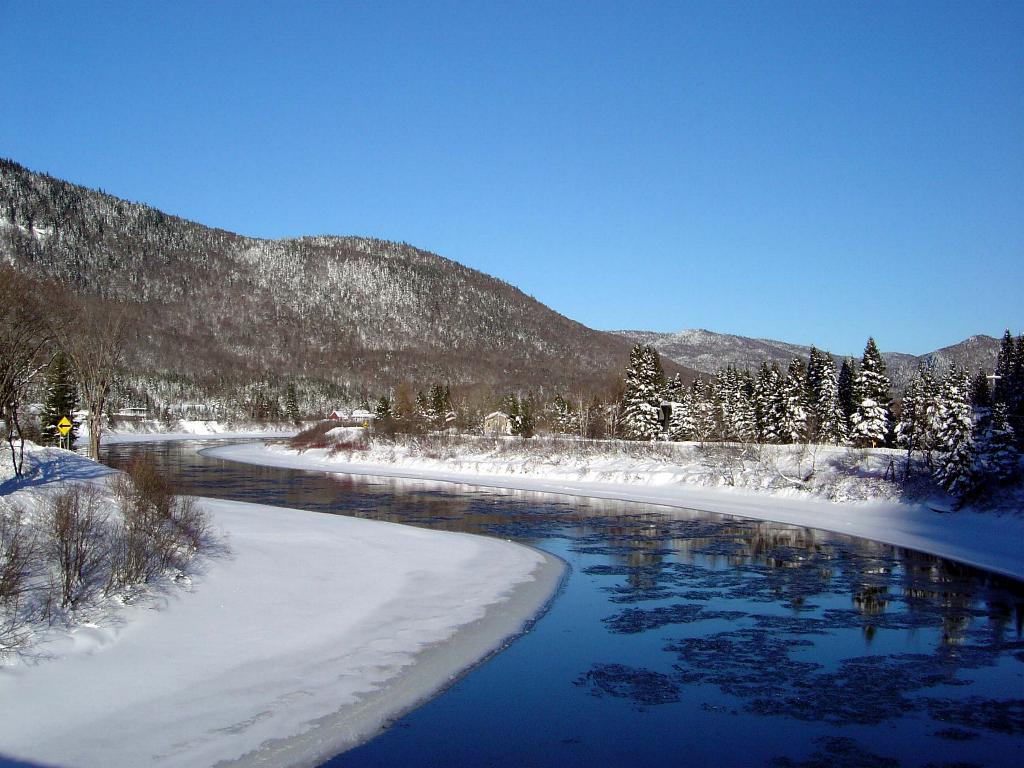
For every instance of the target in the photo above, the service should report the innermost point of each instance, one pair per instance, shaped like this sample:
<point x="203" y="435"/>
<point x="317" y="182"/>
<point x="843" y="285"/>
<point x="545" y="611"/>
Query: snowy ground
<point x="987" y="540"/>
<point x="298" y="638"/>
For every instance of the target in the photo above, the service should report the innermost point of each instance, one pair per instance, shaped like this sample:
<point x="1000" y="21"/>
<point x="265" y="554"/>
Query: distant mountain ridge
<point x="707" y="351"/>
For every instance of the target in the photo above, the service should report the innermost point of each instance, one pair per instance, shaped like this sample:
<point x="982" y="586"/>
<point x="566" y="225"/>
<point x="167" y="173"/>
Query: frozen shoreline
<point x="302" y="641"/>
<point x="987" y="541"/>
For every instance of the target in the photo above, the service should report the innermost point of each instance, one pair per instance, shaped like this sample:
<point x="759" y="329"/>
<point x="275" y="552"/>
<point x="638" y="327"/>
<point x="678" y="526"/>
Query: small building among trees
<point x="497" y="424"/>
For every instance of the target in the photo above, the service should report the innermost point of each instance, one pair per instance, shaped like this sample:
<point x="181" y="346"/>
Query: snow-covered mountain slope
<point x="364" y="312"/>
<point x="708" y="352"/>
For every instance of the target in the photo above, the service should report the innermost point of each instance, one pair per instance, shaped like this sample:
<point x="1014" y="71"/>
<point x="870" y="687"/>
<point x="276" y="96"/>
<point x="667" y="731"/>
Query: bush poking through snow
<point x="77" y="542"/>
<point x="157" y="530"/>
<point x="82" y="543"/>
<point x="17" y="556"/>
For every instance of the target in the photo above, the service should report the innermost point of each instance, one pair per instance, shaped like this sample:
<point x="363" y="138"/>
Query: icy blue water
<point x="685" y="638"/>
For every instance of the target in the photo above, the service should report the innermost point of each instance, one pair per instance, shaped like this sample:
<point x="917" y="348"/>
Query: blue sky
<point x="814" y="172"/>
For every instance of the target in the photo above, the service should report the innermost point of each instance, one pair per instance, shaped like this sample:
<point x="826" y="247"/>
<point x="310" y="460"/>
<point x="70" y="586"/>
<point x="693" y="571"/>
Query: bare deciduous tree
<point x="92" y="338"/>
<point x="24" y="341"/>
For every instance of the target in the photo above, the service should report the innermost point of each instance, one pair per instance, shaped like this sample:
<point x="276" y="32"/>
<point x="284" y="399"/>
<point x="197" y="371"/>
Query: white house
<point x="497" y="424"/>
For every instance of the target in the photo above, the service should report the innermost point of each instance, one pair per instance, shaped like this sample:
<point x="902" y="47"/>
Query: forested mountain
<point x="708" y="352"/>
<point x="212" y="307"/>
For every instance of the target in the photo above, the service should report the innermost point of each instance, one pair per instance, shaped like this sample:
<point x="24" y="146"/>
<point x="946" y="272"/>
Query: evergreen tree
<point x="955" y="470"/>
<point x="527" y="424"/>
<point x="520" y="416"/>
<point x="702" y="411"/>
<point x="794" y="403"/>
<point x="564" y="418"/>
<point x="425" y="415"/>
<point x="382" y="411"/>
<point x="998" y="457"/>
<point x="597" y="421"/>
<point x="981" y="396"/>
<point x="913" y="417"/>
<point x="818" y="366"/>
<point x="830" y="423"/>
<point x="744" y="419"/>
<point x="292" y="403"/>
<point x="872" y="416"/>
<point x="404" y="408"/>
<point x="1004" y="390"/>
<point x="680" y="424"/>
<point x="674" y="389"/>
<point x="847" y="375"/>
<point x="440" y="411"/>
<point x="769" y="404"/>
<point x="61" y="402"/>
<point x="722" y="399"/>
<point x="641" y="401"/>
<point x="734" y="406"/>
<point x="1009" y="383"/>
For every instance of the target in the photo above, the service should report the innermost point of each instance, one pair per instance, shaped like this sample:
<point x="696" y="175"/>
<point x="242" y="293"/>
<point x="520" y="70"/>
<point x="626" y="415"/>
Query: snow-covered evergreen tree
<point x="382" y="411"/>
<point x="440" y="412"/>
<point x="955" y="469"/>
<point x="61" y="401"/>
<point x="828" y="410"/>
<point x="794" y="403"/>
<point x="641" y="401"/>
<point x="520" y="415"/>
<point x="818" y="365"/>
<point x="733" y="399"/>
<point x="1009" y="383"/>
<point x="769" y="404"/>
<point x="702" y="411"/>
<point x="564" y="417"/>
<point x="674" y="389"/>
<point x="680" y="425"/>
<point x="847" y="375"/>
<point x="872" y="415"/>
<point x="723" y="398"/>
<point x="997" y="456"/>
<point x="743" y="417"/>
<point x="914" y="418"/>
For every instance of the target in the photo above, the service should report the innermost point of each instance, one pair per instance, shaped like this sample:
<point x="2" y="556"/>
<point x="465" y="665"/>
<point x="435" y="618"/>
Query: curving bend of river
<point x="687" y="638"/>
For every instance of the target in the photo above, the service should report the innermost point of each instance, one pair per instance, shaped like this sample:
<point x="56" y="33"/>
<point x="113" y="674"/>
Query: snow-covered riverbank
<point x="300" y="638"/>
<point x="993" y="542"/>
<point x="150" y="431"/>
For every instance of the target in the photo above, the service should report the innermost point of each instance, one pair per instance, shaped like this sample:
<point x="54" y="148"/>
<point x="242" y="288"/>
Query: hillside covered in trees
<point x="211" y="311"/>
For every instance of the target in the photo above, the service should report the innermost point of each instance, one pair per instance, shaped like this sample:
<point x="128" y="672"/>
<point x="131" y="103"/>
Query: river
<point x="688" y="638"/>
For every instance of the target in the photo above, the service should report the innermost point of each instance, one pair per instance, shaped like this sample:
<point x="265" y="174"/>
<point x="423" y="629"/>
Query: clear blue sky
<point x="814" y="172"/>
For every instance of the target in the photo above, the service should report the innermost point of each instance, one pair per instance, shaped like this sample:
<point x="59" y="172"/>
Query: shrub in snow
<point x="76" y="543"/>
<point x="17" y="557"/>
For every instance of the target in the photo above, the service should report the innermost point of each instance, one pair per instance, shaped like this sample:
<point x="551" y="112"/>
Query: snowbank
<point x="301" y="639"/>
<point x="989" y="541"/>
<point x="148" y="431"/>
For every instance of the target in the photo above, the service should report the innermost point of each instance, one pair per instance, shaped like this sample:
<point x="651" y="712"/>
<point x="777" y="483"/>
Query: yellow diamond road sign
<point x="64" y="426"/>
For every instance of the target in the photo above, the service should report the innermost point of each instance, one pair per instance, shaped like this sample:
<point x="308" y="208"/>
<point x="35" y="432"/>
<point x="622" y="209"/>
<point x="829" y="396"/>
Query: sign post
<point x="64" y="426"/>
